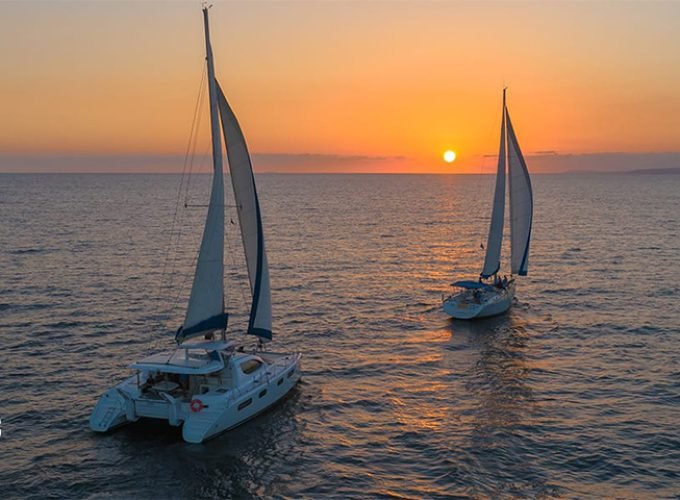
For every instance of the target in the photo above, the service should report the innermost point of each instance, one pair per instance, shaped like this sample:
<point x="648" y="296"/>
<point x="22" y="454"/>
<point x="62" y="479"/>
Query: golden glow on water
<point x="395" y="396"/>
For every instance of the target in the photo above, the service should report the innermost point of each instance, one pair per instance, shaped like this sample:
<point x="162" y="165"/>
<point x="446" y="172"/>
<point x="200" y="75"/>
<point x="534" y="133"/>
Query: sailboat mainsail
<point x="521" y="205"/>
<point x="250" y="220"/>
<point x="206" y="303"/>
<point x="492" y="260"/>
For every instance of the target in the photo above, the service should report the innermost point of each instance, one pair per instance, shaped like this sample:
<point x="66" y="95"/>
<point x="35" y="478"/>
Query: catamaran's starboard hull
<point x="464" y="306"/>
<point x="218" y="411"/>
<point x="218" y="417"/>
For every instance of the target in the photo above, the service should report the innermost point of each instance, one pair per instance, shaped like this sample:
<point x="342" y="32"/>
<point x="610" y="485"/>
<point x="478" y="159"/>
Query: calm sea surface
<point x="575" y="392"/>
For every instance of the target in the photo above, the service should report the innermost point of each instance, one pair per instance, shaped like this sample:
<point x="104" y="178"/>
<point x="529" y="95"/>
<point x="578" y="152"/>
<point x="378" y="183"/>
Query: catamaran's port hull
<point x="219" y="411"/>
<point x="462" y="306"/>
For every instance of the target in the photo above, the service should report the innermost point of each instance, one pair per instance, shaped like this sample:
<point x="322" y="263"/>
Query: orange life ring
<point x="196" y="405"/>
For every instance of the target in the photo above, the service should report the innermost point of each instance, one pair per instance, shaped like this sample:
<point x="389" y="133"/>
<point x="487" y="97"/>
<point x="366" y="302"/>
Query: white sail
<point x="492" y="261"/>
<point x="206" y="304"/>
<point x="521" y="205"/>
<point x="250" y="220"/>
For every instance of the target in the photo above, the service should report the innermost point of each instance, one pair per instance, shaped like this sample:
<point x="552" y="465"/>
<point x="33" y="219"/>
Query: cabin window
<point x="290" y="373"/>
<point x="263" y="393"/>
<point x="245" y="403"/>
<point x="251" y="366"/>
<point x="280" y="382"/>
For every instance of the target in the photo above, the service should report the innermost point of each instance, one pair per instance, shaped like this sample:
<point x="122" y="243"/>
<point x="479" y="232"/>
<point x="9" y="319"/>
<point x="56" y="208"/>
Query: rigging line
<point x="180" y="288"/>
<point x="171" y="245"/>
<point x="483" y="227"/>
<point x="183" y="283"/>
<point x="191" y="160"/>
<point x="187" y="155"/>
<point x="191" y="155"/>
<point x="193" y="151"/>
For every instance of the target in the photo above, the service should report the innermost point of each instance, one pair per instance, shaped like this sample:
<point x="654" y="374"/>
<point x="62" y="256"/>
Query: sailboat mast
<point x="212" y="93"/>
<point x="205" y="312"/>
<point x="492" y="260"/>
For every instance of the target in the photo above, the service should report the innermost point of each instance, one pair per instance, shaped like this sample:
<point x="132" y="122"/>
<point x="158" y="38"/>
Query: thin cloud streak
<point x="554" y="162"/>
<point x="174" y="163"/>
<point x="538" y="162"/>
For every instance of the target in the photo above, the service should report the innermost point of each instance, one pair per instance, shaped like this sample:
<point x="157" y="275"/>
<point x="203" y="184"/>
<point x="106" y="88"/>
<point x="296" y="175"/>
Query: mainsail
<point x="492" y="261"/>
<point x="250" y="220"/>
<point x="521" y="205"/>
<point x="205" y="312"/>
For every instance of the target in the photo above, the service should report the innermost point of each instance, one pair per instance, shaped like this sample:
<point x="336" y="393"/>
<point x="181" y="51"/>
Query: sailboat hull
<point x="215" y="403"/>
<point x="468" y="305"/>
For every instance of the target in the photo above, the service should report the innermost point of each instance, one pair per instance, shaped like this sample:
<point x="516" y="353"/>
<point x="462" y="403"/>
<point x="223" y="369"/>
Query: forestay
<point x="250" y="220"/>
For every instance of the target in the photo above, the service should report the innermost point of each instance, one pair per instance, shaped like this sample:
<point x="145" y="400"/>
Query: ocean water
<point x="574" y="393"/>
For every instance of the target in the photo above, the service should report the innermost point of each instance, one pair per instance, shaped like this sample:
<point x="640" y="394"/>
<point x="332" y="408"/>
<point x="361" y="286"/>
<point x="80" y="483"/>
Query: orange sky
<point x="339" y="86"/>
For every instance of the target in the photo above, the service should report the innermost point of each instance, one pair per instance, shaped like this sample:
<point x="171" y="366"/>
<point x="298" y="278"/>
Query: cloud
<point x="319" y="162"/>
<point x="174" y="163"/>
<point x="96" y="163"/>
<point x="554" y="162"/>
<point x="538" y="162"/>
<point x="602" y="162"/>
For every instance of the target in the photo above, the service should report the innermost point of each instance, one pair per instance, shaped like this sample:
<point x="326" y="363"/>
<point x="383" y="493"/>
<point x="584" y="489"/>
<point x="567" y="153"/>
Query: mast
<point x="205" y="312"/>
<point x="492" y="260"/>
<point x="212" y="93"/>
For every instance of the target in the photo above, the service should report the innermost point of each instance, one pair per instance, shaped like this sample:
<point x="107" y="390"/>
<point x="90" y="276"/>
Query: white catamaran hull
<point x="465" y="305"/>
<point x="215" y="409"/>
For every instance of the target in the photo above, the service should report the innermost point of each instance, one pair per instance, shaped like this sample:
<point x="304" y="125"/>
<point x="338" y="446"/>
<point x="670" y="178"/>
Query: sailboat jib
<point x="250" y="220"/>
<point x="492" y="261"/>
<point x="206" y="303"/>
<point x="521" y="205"/>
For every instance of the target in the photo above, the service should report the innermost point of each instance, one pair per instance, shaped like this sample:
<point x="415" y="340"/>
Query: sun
<point x="449" y="156"/>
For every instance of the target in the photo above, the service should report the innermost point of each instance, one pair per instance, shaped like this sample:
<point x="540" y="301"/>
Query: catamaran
<point x="490" y="294"/>
<point x="212" y="385"/>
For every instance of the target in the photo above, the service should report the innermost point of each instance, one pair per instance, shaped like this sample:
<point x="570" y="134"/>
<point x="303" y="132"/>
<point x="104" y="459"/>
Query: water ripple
<point x="575" y="393"/>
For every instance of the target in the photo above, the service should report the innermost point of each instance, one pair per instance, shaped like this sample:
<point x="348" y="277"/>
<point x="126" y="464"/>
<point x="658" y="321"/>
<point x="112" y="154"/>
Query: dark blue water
<point x="575" y="392"/>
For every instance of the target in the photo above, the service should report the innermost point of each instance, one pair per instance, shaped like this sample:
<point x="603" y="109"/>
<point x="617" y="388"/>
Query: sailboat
<point x="490" y="294"/>
<point x="210" y="385"/>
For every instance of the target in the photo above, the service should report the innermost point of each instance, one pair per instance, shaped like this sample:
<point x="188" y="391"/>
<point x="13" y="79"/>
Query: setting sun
<point x="449" y="156"/>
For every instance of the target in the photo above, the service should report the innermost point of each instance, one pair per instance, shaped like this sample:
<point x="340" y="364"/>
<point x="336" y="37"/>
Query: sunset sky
<point x="327" y="86"/>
